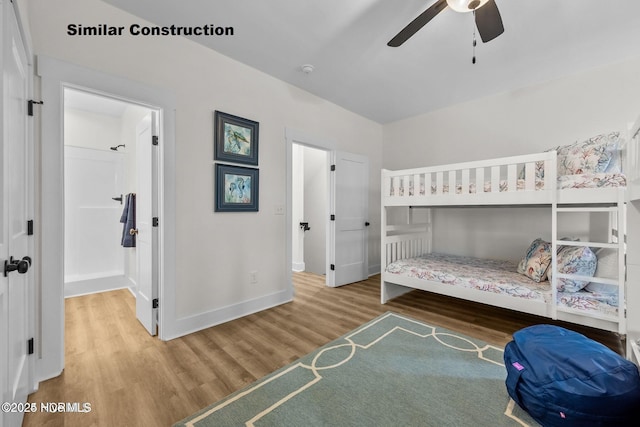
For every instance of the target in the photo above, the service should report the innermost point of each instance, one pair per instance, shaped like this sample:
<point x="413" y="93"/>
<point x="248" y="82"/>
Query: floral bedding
<point x="499" y="277"/>
<point x="592" y="180"/>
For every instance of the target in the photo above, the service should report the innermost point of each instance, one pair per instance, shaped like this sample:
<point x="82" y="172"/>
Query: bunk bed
<point x="555" y="279"/>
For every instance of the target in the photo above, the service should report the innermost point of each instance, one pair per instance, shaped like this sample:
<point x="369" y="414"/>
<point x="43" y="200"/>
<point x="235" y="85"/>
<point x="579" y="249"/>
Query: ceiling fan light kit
<point x="486" y="15"/>
<point x="466" y="5"/>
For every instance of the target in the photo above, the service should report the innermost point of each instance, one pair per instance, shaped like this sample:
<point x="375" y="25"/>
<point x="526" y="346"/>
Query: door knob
<point x="20" y="265"/>
<point x="133" y="231"/>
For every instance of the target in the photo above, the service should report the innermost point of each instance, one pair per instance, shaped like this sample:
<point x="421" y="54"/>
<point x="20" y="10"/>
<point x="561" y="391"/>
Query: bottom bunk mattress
<point x="500" y="277"/>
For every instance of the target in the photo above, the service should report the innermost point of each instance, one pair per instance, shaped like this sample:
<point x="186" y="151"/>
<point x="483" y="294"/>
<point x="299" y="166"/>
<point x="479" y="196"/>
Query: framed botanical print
<point x="236" y="189"/>
<point x="235" y="139"/>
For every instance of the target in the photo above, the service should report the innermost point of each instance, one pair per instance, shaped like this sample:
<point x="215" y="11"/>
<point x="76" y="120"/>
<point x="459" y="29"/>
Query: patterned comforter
<point x="498" y="277"/>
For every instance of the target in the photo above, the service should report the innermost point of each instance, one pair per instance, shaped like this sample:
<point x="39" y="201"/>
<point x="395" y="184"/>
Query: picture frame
<point x="237" y="188"/>
<point x="235" y="139"/>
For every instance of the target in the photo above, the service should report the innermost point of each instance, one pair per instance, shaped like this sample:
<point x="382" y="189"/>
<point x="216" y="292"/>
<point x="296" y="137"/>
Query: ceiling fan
<point x="486" y="13"/>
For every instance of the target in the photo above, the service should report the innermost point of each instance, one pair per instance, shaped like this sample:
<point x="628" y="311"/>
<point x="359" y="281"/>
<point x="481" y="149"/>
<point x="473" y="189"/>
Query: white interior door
<point x="146" y="210"/>
<point x="14" y="245"/>
<point x="348" y="253"/>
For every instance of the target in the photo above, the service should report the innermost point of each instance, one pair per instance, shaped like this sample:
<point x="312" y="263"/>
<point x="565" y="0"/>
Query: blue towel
<point x="128" y="218"/>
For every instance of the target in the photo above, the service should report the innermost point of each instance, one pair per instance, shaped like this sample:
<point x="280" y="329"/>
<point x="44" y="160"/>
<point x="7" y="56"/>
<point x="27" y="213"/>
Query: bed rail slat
<point x="479" y="180"/>
<point x="495" y="179"/>
<point x="512" y="177"/>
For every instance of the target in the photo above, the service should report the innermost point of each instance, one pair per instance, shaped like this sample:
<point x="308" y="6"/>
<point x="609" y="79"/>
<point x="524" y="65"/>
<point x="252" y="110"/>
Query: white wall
<point x="91" y="130"/>
<point x="525" y="121"/>
<point x="215" y="251"/>
<point x="528" y="120"/>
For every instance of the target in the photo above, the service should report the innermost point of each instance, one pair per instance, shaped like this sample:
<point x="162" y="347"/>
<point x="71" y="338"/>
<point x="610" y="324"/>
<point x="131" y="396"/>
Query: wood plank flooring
<point x="132" y="379"/>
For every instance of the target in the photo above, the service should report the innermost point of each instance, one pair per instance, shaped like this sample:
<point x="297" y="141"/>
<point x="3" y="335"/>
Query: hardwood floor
<point x="132" y="379"/>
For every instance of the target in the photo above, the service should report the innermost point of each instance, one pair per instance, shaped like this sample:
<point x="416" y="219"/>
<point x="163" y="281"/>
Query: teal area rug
<point x="391" y="371"/>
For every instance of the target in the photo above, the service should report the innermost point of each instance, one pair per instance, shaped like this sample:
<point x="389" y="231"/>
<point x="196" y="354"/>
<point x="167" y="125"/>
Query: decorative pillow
<point x="590" y="156"/>
<point x="578" y="260"/>
<point x="616" y="142"/>
<point x="607" y="268"/>
<point x="536" y="261"/>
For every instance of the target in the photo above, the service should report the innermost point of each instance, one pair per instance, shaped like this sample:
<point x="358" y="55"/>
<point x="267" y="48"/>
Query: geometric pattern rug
<point x="391" y="371"/>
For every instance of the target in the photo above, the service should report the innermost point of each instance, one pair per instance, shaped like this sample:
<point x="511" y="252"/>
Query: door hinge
<point x="30" y="346"/>
<point x="332" y="217"/>
<point x="30" y="227"/>
<point x="333" y="267"/>
<point x="30" y="106"/>
<point x="154" y="221"/>
<point x="154" y="303"/>
<point x="333" y="168"/>
<point x="154" y="140"/>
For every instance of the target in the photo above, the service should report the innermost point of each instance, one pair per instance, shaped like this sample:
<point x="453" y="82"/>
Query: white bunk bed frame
<point x="427" y="187"/>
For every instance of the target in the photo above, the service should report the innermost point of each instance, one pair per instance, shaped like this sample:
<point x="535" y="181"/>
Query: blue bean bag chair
<point x="562" y="378"/>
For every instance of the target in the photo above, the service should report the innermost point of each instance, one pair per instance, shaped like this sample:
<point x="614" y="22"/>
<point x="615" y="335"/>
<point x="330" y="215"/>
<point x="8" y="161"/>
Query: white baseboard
<point x="374" y="269"/>
<point x="298" y="266"/>
<point x="92" y="286"/>
<point x="198" y="322"/>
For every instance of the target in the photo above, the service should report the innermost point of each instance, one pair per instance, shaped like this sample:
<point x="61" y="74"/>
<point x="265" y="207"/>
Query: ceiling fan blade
<point x="488" y="21"/>
<point x="418" y="23"/>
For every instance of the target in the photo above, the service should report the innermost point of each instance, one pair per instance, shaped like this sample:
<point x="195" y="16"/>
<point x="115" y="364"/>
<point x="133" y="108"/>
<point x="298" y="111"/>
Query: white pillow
<point x="607" y="269"/>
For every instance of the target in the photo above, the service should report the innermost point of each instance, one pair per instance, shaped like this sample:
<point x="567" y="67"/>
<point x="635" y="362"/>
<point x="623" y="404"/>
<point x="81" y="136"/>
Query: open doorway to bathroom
<point x="310" y="166"/>
<point x="100" y="170"/>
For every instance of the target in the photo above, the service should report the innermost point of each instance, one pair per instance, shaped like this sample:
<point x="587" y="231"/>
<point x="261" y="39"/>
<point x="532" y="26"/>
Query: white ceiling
<point x="346" y="42"/>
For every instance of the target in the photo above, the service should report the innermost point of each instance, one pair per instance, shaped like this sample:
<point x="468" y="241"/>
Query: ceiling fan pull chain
<point x="473" y="60"/>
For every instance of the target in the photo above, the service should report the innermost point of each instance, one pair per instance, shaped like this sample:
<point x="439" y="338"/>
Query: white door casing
<point x="146" y="209"/>
<point x="15" y="288"/>
<point x="348" y="232"/>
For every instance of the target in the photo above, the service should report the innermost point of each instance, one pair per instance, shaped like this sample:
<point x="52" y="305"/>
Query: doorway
<point x="56" y="75"/>
<point x="110" y="182"/>
<point x="310" y="209"/>
<point x="345" y="216"/>
<point x="100" y="170"/>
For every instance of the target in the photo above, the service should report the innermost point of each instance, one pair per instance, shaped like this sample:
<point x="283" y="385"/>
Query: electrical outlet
<point x="253" y="277"/>
<point x="278" y="209"/>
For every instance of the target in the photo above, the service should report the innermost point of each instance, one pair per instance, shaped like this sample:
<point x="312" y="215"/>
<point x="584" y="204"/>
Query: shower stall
<point x="94" y="187"/>
<point x="99" y="171"/>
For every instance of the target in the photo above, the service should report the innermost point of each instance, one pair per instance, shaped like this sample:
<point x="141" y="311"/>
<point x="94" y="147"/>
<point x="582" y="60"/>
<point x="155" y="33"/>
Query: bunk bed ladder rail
<point x="616" y="240"/>
<point x="552" y="306"/>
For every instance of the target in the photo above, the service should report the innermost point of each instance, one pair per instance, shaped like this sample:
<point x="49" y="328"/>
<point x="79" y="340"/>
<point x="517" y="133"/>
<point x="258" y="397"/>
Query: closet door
<point x="16" y="282"/>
